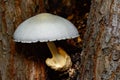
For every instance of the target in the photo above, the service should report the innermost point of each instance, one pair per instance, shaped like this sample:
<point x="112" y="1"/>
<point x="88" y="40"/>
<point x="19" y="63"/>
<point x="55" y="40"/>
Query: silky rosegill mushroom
<point x="46" y="27"/>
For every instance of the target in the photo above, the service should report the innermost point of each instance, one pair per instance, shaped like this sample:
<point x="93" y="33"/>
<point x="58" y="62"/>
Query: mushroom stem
<point x="60" y="60"/>
<point x="53" y="49"/>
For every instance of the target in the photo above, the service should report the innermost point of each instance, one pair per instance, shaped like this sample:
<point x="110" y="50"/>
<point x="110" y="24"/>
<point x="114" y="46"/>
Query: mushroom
<point x="46" y="27"/>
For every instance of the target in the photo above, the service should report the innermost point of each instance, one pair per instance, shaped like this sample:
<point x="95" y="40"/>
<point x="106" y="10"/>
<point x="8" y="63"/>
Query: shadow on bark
<point x="33" y="51"/>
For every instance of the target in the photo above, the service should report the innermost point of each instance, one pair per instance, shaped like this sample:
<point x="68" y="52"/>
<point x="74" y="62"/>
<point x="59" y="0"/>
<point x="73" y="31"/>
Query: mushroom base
<point x="60" y="60"/>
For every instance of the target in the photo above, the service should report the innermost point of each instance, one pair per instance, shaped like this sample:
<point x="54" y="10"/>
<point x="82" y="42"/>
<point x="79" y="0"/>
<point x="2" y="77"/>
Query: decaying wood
<point x="14" y="65"/>
<point x="101" y="52"/>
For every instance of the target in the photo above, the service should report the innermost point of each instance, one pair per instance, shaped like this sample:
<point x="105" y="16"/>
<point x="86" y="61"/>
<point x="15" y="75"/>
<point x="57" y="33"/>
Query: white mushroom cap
<point x="45" y="27"/>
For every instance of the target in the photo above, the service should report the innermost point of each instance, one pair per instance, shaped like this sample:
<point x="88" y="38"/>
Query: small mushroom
<point x="46" y="27"/>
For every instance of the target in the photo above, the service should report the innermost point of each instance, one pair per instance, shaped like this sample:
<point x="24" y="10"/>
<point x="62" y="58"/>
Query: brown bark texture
<point x="100" y="58"/>
<point x="15" y="62"/>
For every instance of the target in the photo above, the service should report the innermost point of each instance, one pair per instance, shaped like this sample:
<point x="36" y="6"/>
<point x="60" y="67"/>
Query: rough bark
<point x="17" y="65"/>
<point x="101" y="52"/>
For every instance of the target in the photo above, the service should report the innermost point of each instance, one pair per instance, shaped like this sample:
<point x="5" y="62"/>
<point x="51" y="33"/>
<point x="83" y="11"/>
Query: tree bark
<point x="101" y="50"/>
<point x="18" y="65"/>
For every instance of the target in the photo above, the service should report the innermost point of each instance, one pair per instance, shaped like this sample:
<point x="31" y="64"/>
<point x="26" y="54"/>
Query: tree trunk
<point x="101" y="49"/>
<point x="16" y="64"/>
